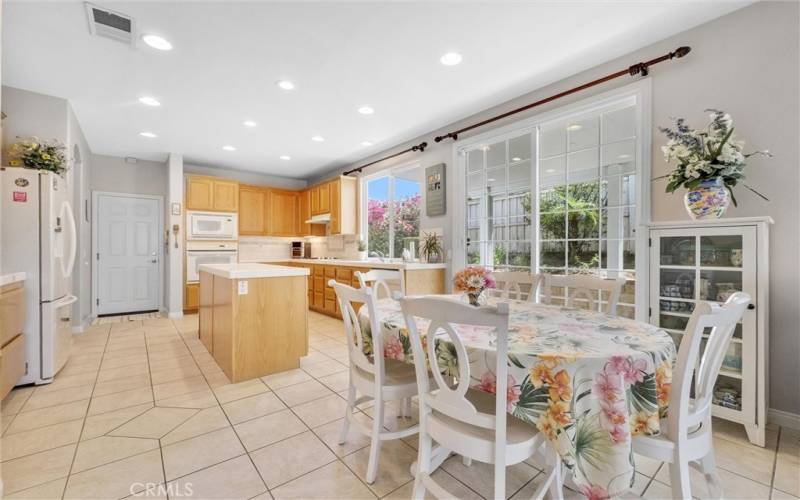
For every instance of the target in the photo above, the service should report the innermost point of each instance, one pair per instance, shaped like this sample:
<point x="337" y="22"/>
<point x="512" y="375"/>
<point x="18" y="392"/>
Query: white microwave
<point x="211" y="226"/>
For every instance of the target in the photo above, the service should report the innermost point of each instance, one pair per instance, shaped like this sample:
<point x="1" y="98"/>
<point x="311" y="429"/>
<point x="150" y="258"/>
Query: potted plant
<point x="710" y="163"/>
<point x="431" y="248"/>
<point x="473" y="280"/>
<point x="362" y="249"/>
<point x="30" y="152"/>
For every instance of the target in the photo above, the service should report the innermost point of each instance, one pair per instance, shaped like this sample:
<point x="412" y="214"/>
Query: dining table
<point x="588" y="380"/>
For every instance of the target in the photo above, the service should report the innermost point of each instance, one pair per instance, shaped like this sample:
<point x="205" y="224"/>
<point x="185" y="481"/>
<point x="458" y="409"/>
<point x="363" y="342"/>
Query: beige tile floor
<point x="142" y="409"/>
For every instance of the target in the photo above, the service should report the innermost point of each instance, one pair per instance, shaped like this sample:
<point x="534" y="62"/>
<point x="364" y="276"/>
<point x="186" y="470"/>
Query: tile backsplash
<point x="258" y="248"/>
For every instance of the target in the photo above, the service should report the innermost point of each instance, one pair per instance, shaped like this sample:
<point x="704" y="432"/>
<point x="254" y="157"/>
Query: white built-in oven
<point x="211" y="226"/>
<point x="208" y="252"/>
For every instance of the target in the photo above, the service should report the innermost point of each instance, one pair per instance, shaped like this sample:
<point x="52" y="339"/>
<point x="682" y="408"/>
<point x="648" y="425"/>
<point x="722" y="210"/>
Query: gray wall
<point x="747" y="64"/>
<point x="246" y="177"/>
<point x="110" y="173"/>
<point x="81" y="158"/>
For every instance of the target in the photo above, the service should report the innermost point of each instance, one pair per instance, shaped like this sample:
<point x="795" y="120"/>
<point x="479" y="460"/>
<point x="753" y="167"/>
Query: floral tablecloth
<point x="588" y="380"/>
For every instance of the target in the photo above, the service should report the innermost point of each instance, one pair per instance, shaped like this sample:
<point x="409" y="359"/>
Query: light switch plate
<point x="242" y="287"/>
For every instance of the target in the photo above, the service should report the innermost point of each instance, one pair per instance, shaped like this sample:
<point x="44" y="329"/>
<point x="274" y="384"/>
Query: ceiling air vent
<point x="110" y="24"/>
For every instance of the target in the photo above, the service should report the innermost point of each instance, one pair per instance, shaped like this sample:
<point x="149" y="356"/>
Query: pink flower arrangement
<point x="393" y="349"/>
<point x="474" y="279"/>
<point x="489" y="384"/>
<point x="595" y="492"/>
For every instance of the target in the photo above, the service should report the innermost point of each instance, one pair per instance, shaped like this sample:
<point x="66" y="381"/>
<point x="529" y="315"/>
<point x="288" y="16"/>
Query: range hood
<point x="319" y="219"/>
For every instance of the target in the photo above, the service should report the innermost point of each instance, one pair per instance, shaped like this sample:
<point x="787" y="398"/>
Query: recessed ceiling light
<point x="516" y="158"/>
<point x="149" y="101"/>
<point x="490" y="180"/>
<point x="366" y="143"/>
<point x="157" y="42"/>
<point x="318" y="138"/>
<point x="366" y="110"/>
<point x="249" y="123"/>
<point x="574" y="127"/>
<point x="149" y="135"/>
<point x="228" y="148"/>
<point x="485" y="148"/>
<point x="550" y="171"/>
<point x="285" y="157"/>
<point x="451" y="58"/>
<point x="623" y="157"/>
<point x="285" y="84"/>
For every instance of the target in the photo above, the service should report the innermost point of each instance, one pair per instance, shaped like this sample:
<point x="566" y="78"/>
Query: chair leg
<point x="375" y="447"/>
<point x="467" y="461"/>
<point x="679" y="479"/>
<point x="557" y="484"/>
<point x="423" y="465"/>
<point x="351" y="398"/>
<point x="500" y="480"/>
<point x="709" y="465"/>
<point x="401" y="404"/>
<point x="408" y="408"/>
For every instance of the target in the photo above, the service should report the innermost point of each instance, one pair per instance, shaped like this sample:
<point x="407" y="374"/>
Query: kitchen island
<point x="254" y="317"/>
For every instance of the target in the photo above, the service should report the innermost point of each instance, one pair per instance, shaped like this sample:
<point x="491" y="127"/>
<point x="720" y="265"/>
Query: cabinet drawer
<point x="319" y="284"/>
<point x="330" y="272"/>
<point x="13" y="365"/>
<point x="318" y="270"/>
<point x="330" y="293"/>
<point x="12" y="312"/>
<point x="344" y="274"/>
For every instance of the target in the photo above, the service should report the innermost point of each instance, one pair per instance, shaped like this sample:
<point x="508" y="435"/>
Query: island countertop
<point x="252" y="270"/>
<point x="370" y="264"/>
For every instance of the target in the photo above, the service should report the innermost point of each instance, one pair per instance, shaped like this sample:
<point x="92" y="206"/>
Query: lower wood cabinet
<point x="191" y="296"/>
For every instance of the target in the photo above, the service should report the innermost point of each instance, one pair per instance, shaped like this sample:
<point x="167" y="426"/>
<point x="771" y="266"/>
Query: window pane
<point x="551" y="254"/>
<point x="519" y="148"/>
<point x="619" y="124"/>
<point x="519" y="255"/>
<point x="475" y="160"/>
<point x="583" y="224"/>
<point x="408" y="202"/>
<point x="496" y="155"/>
<point x="473" y="253"/>
<point x="552" y="142"/>
<point x="583" y="254"/>
<point x="584" y="195"/>
<point x="499" y="254"/>
<point x="583" y="133"/>
<point x="552" y="226"/>
<point x="378" y="215"/>
<point x="519" y="177"/>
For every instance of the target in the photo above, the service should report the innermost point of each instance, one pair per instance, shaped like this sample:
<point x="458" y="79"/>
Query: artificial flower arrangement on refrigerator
<point x="30" y="152"/>
<point x="473" y="280"/>
<point x="710" y="164"/>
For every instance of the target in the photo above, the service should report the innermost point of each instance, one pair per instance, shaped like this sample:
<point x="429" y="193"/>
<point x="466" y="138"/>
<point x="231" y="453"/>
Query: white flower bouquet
<point x="709" y="154"/>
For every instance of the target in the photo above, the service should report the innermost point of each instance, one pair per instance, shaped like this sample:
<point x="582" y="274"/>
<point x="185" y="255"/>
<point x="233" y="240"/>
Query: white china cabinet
<point x="693" y="261"/>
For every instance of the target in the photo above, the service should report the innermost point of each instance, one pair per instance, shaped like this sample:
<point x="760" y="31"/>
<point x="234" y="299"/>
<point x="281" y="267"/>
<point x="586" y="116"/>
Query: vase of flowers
<point x="710" y="163"/>
<point x="30" y="152"/>
<point x="473" y="280"/>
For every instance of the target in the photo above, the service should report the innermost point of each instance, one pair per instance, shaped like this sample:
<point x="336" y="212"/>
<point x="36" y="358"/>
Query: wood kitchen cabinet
<point x="339" y="198"/>
<point x="253" y="213"/>
<point x="191" y="296"/>
<point x="304" y="213"/>
<point x="282" y="212"/>
<point x="211" y="193"/>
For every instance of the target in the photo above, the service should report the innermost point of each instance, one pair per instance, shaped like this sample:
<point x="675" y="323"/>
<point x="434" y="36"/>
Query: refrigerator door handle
<point x="67" y="265"/>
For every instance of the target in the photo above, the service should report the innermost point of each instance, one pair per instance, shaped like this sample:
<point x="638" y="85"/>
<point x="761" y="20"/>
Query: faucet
<point x="378" y="254"/>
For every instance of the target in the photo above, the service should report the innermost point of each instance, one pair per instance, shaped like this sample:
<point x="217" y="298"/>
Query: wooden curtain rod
<point x="637" y="69"/>
<point x="641" y="68"/>
<point x="419" y="147"/>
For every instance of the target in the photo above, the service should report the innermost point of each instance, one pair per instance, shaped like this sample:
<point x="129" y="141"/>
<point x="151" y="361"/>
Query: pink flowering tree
<point x="406" y="223"/>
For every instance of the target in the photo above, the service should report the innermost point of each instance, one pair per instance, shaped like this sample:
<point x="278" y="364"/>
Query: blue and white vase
<point x="709" y="200"/>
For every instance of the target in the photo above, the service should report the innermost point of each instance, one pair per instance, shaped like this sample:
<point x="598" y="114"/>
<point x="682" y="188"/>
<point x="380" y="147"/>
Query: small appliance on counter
<point x="298" y="250"/>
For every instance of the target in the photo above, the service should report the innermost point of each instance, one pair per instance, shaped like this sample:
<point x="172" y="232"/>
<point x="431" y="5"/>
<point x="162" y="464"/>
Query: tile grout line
<point x="153" y="394"/>
<point x="83" y="425"/>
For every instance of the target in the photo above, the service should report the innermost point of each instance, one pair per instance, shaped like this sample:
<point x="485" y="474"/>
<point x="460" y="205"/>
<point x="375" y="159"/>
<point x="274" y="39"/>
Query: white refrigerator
<point x="39" y="237"/>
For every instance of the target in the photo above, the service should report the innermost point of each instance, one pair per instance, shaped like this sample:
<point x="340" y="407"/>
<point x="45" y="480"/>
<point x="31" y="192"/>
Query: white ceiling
<point x="227" y="57"/>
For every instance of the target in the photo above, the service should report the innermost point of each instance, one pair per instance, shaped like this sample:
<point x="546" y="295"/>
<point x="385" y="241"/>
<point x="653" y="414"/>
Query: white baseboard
<point x="783" y="418"/>
<point x="84" y="324"/>
<point x="175" y="314"/>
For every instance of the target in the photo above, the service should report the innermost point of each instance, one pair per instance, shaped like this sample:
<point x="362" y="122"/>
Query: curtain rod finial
<point x="682" y="51"/>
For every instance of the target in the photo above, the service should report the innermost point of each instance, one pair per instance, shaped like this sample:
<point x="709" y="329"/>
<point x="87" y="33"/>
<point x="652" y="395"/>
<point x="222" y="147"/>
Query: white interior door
<point x="127" y="254"/>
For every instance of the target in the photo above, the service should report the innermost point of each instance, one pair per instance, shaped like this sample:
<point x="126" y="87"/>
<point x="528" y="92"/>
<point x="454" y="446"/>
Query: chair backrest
<point x="587" y="289"/>
<point x="516" y="285"/>
<point x="722" y="321"/>
<point x="378" y="279"/>
<point x="349" y="298"/>
<point x="442" y="313"/>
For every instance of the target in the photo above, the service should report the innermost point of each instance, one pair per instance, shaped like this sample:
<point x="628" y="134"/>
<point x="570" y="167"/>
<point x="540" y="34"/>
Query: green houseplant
<point x="431" y="248"/>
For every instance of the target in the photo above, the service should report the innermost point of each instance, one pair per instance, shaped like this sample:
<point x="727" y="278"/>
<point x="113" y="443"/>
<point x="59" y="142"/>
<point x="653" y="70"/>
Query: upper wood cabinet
<point x="303" y="213"/>
<point x="253" y="213"/>
<point x="211" y="193"/>
<point x="282" y="212"/>
<point x="325" y="198"/>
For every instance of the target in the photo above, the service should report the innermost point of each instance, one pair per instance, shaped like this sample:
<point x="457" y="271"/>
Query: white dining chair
<point x="517" y="285"/>
<point x="688" y="439"/>
<point x="374" y="377"/>
<point x="584" y="289"/>
<point x="469" y="422"/>
<point x="380" y="279"/>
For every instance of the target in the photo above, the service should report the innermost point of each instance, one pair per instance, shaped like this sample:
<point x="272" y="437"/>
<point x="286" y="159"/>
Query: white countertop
<point x="252" y="270"/>
<point x="7" y="279"/>
<point x="372" y="264"/>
